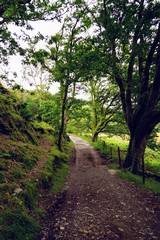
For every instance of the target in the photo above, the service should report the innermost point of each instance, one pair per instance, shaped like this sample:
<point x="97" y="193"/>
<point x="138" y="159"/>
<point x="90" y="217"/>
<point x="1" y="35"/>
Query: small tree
<point x="104" y="104"/>
<point x="38" y="77"/>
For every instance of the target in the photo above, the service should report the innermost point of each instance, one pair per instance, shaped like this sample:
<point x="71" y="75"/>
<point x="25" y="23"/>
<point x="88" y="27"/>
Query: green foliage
<point x="8" y="187"/>
<point x="113" y="166"/>
<point x="29" y="109"/>
<point x="45" y="179"/>
<point x="59" y="178"/>
<point x="152" y="162"/>
<point x="30" y="194"/>
<point x="5" y="154"/>
<point x="54" y="171"/>
<point x="43" y="127"/>
<point x="2" y="177"/>
<point x="10" y="120"/>
<point x="40" y="212"/>
<point x="8" y="197"/>
<point x="17" y="225"/>
<point x="49" y="112"/>
<point x="26" y="154"/>
<point x="80" y="117"/>
<point x="105" y="143"/>
<point x="17" y="173"/>
<point x="3" y="165"/>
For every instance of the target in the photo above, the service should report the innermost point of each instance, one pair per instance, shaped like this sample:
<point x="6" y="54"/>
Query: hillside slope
<point x="29" y="164"/>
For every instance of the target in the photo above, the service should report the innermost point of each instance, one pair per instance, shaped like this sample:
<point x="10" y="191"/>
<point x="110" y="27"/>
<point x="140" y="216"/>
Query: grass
<point x="17" y="225"/>
<point x="149" y="183"/>
<point x="55" y="170"/>
<point x="59" y="178"/>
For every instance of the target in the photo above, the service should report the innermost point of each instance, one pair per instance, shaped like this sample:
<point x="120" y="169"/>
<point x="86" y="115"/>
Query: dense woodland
<point x="110" y="51"/>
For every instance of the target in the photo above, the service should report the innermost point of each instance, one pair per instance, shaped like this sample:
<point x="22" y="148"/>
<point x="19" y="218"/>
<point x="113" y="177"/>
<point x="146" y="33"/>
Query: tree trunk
<point x="134" y="155"/>
<point x="62" y="127"/>
<point x="95" y="136"/>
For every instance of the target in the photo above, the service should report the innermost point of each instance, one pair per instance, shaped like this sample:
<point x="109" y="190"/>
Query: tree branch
<point x="149" y="62"/>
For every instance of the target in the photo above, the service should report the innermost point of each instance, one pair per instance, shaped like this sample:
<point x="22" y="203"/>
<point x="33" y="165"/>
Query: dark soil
<point x="97" y="204"/>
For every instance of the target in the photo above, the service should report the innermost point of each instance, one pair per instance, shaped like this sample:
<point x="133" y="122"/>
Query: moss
<point x="55" y="170"/>
<point x="45" y="180"/>
<point x="11" y="122"/>
<point x="43" y="127"/>
<point x="8" y="187"/>
<point x="17" y="225"/>
<point x="26" y="154"/>
<point x="59" y="178"/>
<point x="3" y="164"/>
<point x="17" y="173"/>
<point x="30" y="194"/>
<point x="2" y="177"/>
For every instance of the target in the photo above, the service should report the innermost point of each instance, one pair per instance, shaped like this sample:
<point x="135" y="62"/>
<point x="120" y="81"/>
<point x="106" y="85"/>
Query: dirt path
<point x="97" y="204"/>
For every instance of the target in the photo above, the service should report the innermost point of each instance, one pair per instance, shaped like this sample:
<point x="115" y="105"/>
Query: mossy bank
<point x="28" y="167"/>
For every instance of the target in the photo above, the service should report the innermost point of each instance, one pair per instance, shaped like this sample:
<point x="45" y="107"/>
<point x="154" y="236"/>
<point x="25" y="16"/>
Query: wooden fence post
<point x="119" y="157"/>
<point x="143" y="171"/>
<point x="111" y="152"/>
<point x="104" y="145"/>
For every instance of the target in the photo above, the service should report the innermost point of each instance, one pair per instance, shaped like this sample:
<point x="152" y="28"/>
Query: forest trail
<point x="97" y="204"/>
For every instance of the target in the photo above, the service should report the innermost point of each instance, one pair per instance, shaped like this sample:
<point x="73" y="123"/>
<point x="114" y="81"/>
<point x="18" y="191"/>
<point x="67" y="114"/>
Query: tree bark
<point x="95" y="137"/>
<point x="134" y="155"/>
<point x="138" y="140"/>
<point x="62" y="127"/>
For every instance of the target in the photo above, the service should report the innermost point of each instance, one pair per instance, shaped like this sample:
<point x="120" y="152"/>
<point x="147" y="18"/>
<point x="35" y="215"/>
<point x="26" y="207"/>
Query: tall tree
<point x="130" y="34"/>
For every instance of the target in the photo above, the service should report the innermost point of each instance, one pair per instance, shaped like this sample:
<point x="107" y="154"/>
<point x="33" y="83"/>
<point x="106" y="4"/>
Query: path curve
<point x="100" y="205"/>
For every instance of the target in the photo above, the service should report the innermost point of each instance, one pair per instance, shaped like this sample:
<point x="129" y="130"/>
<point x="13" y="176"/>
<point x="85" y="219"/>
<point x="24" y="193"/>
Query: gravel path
<point x="97" y="204"/>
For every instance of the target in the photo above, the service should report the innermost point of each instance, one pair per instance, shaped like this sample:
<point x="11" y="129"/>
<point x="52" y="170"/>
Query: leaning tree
<point x="129" y="37"/>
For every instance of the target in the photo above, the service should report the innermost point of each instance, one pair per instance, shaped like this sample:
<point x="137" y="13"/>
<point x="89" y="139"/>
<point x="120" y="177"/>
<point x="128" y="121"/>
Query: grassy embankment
<point x="22" y="147"/>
